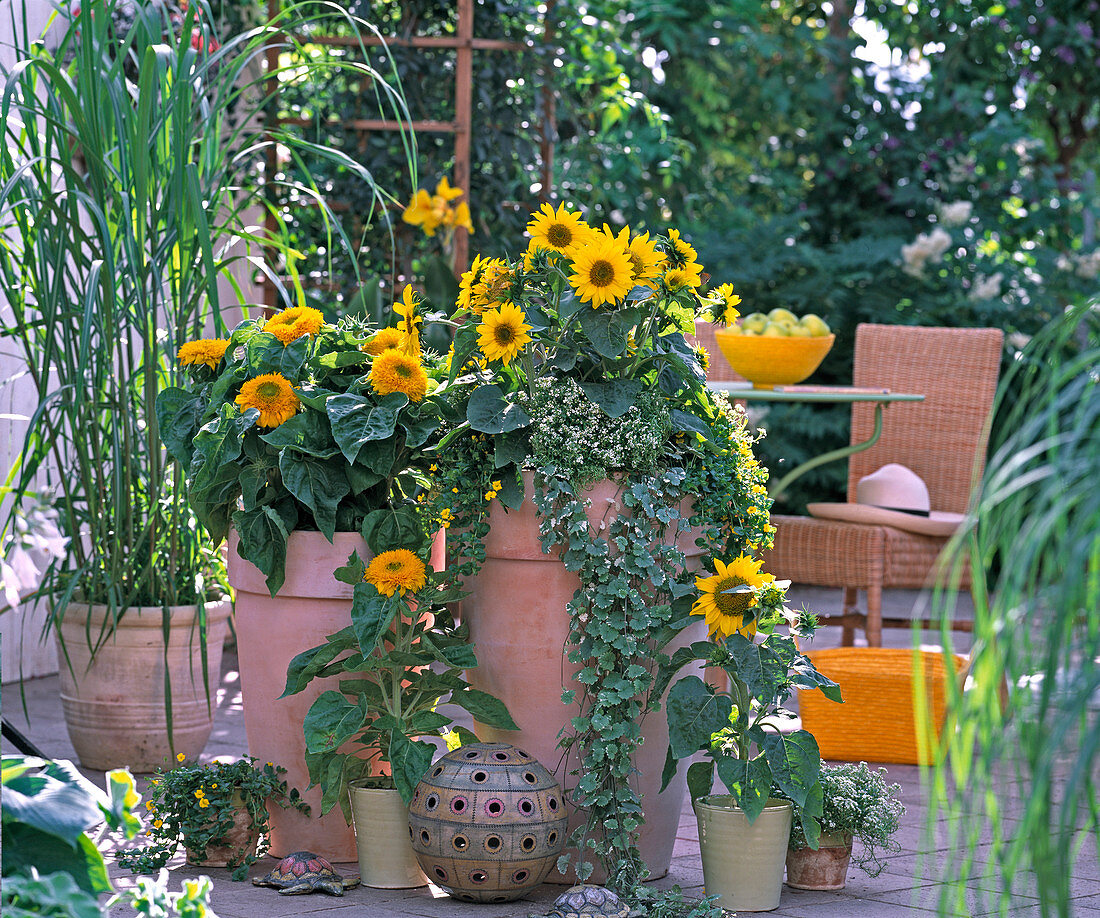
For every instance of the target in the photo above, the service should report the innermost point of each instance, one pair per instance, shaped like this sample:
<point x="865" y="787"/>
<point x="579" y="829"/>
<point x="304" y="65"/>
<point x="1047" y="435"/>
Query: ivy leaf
<point x="490" y="412"/>
<point x="317" y="484"/>
<point x="695" y="712"/>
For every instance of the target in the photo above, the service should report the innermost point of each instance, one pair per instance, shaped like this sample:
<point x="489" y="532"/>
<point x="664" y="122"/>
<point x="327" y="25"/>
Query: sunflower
<point x="291" y="324"/>
<point x="273" y="395"/>
<point x="395" y="570"/>
<point x="679" y="251"/>
<point x="726" y="303"/>
<point x="410" y="323"/>
<point x="690" y="275"/>
<point x="723" y="601"/>
<point x="645" y="259"/>
<point x="469" y="280"/>
<point x="602" y="273"/>
<point x="559" y="230"/>
<point x="384" y="340"/>
<point x="503" y="333"/>
<point x="395" y="371"/>
<point x="207" y="351"/>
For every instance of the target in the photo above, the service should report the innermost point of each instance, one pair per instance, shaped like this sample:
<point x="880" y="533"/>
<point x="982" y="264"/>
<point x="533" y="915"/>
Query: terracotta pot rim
<point x="98" y="609"/>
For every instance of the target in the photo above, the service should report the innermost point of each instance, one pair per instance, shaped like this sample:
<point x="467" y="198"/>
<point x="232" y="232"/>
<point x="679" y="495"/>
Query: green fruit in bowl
<point x="779" y="314"/>
<point x="776" y="330"/>
<point x="799" y="331"/>
<point x="816" y="325"/>
<point x="754" y="322"/>
<point x="735" y="329"/>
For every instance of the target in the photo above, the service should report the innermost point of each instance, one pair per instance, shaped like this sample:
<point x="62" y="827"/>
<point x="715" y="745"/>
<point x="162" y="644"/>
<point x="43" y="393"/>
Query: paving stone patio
<point x="907" y="886"/>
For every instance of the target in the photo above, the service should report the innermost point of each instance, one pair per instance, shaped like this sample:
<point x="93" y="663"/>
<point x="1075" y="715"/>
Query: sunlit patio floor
<point x="908" y="886"/>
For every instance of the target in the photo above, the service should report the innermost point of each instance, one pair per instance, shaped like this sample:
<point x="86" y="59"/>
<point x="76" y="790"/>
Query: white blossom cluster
<point x="573" y="433"/>
<point x="927" y="249"/>
<point x="35" y="542"/>
<point x="961" y="168"/>
<point x="987" y="288"/>
<point x="957" y="213"/>
<point x="1083" y="264"/>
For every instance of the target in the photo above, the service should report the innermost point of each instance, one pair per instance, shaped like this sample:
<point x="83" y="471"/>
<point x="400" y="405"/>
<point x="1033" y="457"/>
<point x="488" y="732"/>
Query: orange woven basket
<point x="877" y="721"/>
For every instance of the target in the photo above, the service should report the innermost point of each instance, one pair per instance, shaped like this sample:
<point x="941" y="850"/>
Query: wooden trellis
<point x="464" y="44"/>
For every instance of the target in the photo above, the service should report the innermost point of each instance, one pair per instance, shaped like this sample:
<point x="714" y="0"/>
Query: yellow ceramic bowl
<point x="766" y="361"/>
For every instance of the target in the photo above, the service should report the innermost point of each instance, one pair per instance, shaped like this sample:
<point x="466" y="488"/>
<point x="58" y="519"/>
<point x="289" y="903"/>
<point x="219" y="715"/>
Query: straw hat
<point x="893" y="496"/>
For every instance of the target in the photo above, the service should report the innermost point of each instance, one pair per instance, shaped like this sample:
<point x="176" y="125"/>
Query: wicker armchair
<point x="943" y="439"/>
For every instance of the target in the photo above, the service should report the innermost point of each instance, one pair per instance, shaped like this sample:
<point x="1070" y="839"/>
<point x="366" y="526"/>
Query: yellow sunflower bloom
<point x="291" y="324"/>
<point x="410" y="323"/>
<point x="559" y="230"/>
<point x="689" y="275"/>
<point x="274" y="397"/>
<point x="502" y="333"/>
<point x="728" y="301"/>
<point x="492" y="288"/>
<point x="724" y="601"/>
<point x="602" y="273"/>
<point x="645" y="259"/>
<point x="384" y="340"/>
<point x="395" y="570"/>
<point x="395" y="371"/>
<point x="208" y="351"/>
<point x="680" y="252"/>
<point x="469" y="279"/>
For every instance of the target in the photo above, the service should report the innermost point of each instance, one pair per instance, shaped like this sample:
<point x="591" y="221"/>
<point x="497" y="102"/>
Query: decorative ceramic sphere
<point x="487" y="822"/>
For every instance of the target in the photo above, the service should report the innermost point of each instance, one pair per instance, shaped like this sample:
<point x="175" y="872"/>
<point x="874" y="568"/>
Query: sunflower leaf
<point x="356" y="420"/>
<point x="490" y="412"/>
<point x="318" y="484"/>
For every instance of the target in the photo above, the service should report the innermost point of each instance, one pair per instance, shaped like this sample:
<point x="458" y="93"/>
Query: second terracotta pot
<point x="516" y="610"/>
<point x="825" y="868"/>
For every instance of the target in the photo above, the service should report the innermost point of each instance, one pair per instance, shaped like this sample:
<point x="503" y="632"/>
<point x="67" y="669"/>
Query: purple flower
<point x="1084" y="30"/>
<point x="1065" y="53"/>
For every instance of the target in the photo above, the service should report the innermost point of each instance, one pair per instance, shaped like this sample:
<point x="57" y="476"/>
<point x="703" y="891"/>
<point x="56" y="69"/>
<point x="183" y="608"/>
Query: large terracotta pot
<point x="114" y="700"/>
<point x="238" y="842"/>
<point x="516" y="610"/>
<point x="270" y="633"/>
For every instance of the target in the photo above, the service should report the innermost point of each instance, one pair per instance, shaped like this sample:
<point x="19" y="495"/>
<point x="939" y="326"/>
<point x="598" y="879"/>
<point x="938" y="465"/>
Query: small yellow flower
<point x="445" y="514"/>
<point x="497" y="485"/>
<point x="180" y="757"/>
<point x="433" y="468"/>
<point x="148" y="804"/>
<point x="157" y="823"/>
<point x="199" y="794"/>
<point x="204" y="803"/>
<point x="213" y="786"/>
<point x="489" y="495"/>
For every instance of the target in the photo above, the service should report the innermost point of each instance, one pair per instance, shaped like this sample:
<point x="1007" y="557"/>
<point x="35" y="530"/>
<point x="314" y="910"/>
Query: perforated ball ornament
<point x="487" y="822"/>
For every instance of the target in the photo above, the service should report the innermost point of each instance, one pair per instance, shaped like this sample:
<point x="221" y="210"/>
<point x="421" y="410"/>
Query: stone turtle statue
<point x="305" y="872"/>
<point x="587" y="902"/>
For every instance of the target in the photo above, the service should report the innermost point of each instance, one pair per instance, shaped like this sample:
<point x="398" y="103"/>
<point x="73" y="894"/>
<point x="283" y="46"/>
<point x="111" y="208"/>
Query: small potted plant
<point x="217" y="811"/>
<point x="401" y="656"/>
<point x="744" y="834"/>
<point x="857" y="803"/>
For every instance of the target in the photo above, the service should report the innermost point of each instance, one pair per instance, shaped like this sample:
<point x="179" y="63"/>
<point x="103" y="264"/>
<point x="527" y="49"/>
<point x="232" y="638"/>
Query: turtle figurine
<point x="305" y="872"/>
<point x="587" y="902"/>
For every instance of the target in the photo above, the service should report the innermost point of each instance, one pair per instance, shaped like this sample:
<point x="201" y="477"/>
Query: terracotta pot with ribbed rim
<point x="743" y="862"/>
<point x="386" y="856"/>
<point x="114" y="700"/>
<point x="271" y="631"/>
<point x="826" y="868"/>
<point x="516" y="610"/>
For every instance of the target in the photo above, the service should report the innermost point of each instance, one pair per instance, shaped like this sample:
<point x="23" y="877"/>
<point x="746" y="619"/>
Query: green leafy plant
<point x="1026" y="723"/>
<point x="197" y="805"/>
<point x="739" y="730"/>
<point x="52" y="867"/>
<point x="128" y="189"/>
<point x="399" y="659"/>
<point x="296" y="423"/>
<point x="856" y="802"/>
<point x="571" y="363"/>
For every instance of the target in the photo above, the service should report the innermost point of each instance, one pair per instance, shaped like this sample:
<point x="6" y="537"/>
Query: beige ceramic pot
<point x="825" y="868"/>
<point x="516" y="610"/>
<point x="114" y="700"/>
<point x="271" y="631"/>
<point x="386" y="856"/>
<point x="238" y="842"/>
<point x="743" y="863"/>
